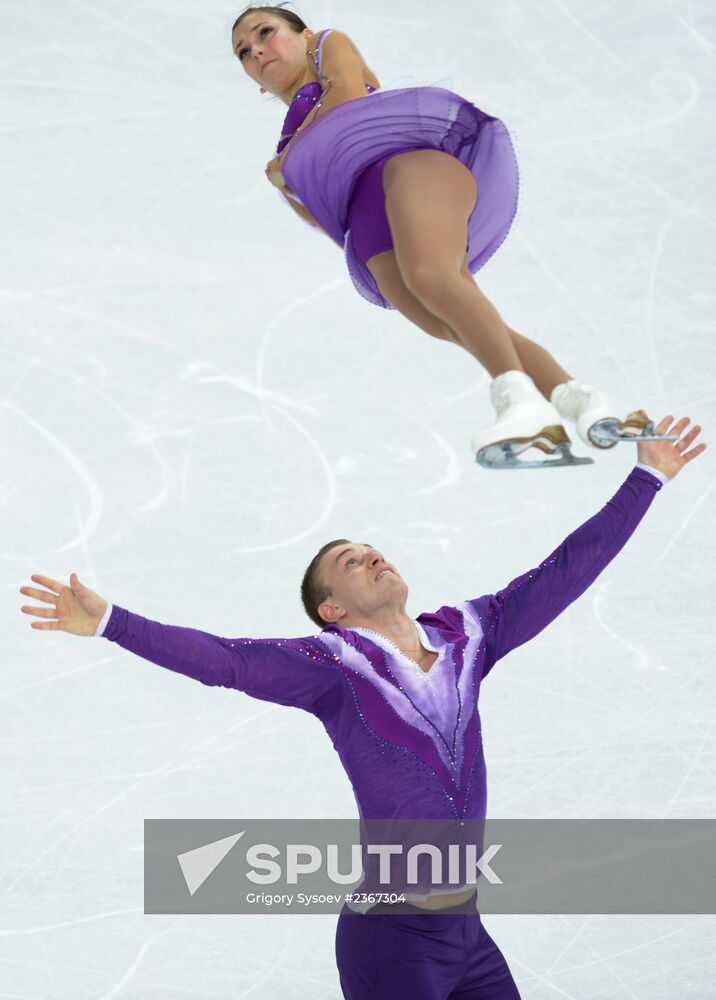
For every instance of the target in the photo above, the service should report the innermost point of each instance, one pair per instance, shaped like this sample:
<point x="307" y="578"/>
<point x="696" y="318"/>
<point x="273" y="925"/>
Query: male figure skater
<point x="398" y="697"/>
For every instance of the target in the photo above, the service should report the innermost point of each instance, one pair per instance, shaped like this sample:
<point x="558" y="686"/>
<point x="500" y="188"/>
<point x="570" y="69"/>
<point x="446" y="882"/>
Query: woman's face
<point x="270" y="51"/>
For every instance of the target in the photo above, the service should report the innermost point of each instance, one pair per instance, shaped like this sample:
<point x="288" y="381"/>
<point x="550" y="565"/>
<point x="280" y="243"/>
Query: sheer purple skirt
<point x="324" y="164"/>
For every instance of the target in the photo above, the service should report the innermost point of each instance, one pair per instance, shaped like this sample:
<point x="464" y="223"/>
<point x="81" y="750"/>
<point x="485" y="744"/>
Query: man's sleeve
<point x="530" y="602"/>
<point x="296" y="672"/>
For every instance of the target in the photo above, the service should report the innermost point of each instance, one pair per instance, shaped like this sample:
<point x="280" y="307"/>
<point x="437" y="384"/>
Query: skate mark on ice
<point x="684" y="525"/>
<point x="94" y="494"/>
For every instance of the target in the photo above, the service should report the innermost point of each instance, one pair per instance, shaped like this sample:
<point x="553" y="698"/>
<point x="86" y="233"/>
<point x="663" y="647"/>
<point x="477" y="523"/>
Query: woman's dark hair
<point x="313" y="590"/>
<point x="286" y="15"/>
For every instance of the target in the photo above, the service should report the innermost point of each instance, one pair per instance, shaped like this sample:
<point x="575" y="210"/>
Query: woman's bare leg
<point x="486" y="336"/>
<point x="429" y="196"/>
<point x="385" y="270"/>
<point x="539" y="364"/>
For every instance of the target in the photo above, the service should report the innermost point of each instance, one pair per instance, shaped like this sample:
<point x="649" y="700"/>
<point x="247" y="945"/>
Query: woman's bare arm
<point x="342" y="73"/>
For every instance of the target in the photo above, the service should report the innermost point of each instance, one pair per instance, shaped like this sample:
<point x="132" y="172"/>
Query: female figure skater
<point x="419" y="187"/>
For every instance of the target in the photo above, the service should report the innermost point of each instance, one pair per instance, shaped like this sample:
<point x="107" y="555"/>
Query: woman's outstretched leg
<point x="429" y="197"/>
<point x="540" y="365"/>
<point x="535" y="413"/>
<point x="430" y="245"/>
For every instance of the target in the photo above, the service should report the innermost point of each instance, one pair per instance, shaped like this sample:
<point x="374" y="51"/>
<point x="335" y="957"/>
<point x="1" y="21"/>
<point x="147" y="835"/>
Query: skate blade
<point x="607" y="433"/>
<point x="550" y="440"/>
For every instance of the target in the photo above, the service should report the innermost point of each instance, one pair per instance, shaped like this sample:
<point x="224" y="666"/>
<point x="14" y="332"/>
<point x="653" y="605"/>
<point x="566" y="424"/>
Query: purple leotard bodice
<point x="304" y="100"/>
<point x="410" y="741"/>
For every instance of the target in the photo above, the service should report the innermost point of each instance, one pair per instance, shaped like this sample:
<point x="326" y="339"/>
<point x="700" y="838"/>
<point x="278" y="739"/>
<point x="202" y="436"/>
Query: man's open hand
<point x="670" y="457"/>
<point x="75" y="609"/>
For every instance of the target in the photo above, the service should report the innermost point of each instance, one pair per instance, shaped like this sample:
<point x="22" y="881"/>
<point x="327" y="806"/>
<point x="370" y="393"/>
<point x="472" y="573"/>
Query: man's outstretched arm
<point x="296" y="672"/>
<point x="531" y="601"/>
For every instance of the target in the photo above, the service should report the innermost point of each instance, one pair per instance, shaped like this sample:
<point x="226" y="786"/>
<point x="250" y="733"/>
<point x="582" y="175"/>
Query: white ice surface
<point x="195" y="398"/>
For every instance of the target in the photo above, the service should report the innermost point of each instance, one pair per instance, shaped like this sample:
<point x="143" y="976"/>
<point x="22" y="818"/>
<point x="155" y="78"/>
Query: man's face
<point x="270" y="51"/>
<point x="361" y="584"/>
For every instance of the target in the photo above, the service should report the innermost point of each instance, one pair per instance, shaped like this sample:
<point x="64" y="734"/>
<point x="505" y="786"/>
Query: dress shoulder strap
<point x="319" y="48"/>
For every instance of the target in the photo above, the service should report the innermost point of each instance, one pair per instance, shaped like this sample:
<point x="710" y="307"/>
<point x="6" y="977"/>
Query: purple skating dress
<point x="335" y="166"/>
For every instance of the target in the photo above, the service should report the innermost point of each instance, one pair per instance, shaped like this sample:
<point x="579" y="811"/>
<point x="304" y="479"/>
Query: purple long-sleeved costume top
<point x="410" y="741"/>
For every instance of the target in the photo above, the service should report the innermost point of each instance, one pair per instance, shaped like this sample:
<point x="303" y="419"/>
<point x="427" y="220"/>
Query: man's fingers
<point x="45" y="625"/>
<point x="38" y="595"/>
<point x="680" y="426"/>
<point x="694" y="453"/>
<point x="40" y="612"/>
<point x="48" y="582"/>
<point x="663" y="426"/>
<point x="688" y="438"/>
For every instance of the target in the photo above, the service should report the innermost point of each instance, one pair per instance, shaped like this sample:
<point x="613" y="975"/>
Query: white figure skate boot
<point x="596" y="419"/>
<point x="525" y="419"/>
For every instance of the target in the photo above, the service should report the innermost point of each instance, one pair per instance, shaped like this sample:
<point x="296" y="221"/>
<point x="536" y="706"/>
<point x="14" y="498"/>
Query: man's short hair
<point x="313" y="590"/>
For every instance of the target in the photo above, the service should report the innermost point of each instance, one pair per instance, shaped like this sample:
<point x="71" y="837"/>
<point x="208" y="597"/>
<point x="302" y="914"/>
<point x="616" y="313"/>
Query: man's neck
<point x="396" y="625"/>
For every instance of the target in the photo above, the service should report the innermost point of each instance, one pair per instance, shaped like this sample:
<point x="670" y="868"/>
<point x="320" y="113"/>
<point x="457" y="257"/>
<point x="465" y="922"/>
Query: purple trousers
<point x="420" y="955"/>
